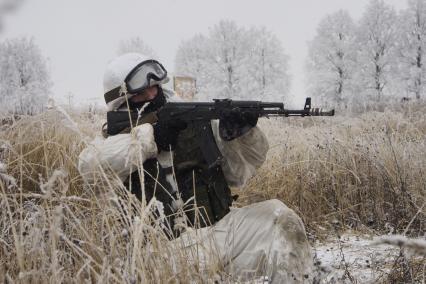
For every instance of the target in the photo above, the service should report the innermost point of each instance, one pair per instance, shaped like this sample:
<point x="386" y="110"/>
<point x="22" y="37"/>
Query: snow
<point x="353" y="256"/>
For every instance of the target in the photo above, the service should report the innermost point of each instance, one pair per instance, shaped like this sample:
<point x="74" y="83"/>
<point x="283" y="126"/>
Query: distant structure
<point x="185" y="87"/>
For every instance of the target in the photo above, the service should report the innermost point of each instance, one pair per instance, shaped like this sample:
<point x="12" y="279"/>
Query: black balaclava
<point x="155" y="104"/>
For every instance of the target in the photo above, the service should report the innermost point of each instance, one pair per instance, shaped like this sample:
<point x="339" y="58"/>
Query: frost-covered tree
<point x="412" y="48"/>
<point x="137" y="45"/>
<point x="215" y="61"/>
<point x="233" y="62"/>
<point x="265" y="73"/>
<point x="24" y="78"/>
<point x="191" y="60"/>
<point x="225" y="58"/>
<point x="331" y="60"/>
<point x="376" y="39"/>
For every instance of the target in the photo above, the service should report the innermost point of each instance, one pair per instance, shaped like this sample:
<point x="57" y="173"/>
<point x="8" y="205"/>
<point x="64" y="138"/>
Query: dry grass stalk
<point x="351" y="172"/>
<point x="55" y="228"/>
<point x="366" y="171"/>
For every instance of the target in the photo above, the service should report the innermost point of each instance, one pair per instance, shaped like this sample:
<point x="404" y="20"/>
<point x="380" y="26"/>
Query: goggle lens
<point x="140" y="77"/>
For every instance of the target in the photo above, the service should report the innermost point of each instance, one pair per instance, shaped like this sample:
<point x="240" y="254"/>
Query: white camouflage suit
<point x="265" y="238"/>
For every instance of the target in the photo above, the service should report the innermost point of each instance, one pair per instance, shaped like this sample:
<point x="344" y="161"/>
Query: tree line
<point x="235" y="62"/>
<point x="374" y="60"/>
<point x="350" y="63"/>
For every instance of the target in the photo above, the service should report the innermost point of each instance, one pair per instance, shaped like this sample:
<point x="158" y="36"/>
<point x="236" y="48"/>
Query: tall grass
<point x="364" y="172"/>
<point x="54" y="228"/>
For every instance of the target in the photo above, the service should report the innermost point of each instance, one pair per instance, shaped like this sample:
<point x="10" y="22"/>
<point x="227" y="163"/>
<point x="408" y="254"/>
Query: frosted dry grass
<point x="358" y="172"/>
<point x="366" y="173"/>
<point x="54" y="228"/>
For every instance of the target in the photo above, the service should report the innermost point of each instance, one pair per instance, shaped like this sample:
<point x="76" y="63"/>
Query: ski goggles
<point x="144" y="75"/>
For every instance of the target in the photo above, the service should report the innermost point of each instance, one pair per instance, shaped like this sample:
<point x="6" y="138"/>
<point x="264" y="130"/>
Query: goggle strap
<point x="113" y="94"/>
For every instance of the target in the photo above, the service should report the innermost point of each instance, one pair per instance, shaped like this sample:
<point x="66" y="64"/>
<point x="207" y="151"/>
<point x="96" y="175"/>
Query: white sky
<point x="80" y="36"/>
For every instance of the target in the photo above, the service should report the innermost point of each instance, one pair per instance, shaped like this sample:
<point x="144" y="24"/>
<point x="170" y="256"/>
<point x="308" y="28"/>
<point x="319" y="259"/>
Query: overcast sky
<point x="80" y="36"/>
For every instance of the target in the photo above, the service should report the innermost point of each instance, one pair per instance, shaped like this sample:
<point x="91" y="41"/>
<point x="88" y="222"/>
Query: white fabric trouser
<point x="262" y="239"/>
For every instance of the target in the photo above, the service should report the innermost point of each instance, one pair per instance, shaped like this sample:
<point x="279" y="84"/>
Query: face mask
<point x="155" y="104"/>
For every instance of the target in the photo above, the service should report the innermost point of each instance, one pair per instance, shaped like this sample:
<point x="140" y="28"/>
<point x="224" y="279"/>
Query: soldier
<point x="266" y="237"/>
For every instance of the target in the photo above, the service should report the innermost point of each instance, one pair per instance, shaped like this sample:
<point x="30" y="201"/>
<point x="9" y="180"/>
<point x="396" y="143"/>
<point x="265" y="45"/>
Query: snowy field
<point x="353" y="258"/>
<point x="363" y="258"/>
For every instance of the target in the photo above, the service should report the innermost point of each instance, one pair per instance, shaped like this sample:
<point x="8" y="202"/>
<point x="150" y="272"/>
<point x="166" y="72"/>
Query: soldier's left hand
<point x="234" y="123"/>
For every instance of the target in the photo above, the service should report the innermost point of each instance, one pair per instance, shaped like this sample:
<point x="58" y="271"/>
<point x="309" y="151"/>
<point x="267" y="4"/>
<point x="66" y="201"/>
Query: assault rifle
<point x="201" y="113"/>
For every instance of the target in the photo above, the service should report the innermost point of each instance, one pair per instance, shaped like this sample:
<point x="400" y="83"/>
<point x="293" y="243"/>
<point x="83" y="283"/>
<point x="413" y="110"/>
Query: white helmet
<point x="116" y="73"/>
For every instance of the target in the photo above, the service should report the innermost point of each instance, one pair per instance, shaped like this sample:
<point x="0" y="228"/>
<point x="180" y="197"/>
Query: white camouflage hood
<point x="117" y="71"/>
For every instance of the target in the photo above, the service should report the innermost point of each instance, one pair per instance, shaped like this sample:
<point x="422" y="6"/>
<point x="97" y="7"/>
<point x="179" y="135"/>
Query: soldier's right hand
<point x="166" y="134"/>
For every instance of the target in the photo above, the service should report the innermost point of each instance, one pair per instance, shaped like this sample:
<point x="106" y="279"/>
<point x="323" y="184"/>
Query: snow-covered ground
<point x="353" y="259"/>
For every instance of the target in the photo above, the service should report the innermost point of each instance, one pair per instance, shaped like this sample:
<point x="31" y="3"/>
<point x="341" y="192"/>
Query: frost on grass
<point x="358" y="173"/>
<point x="8" y="180"/>
<point x="49" y="187"/>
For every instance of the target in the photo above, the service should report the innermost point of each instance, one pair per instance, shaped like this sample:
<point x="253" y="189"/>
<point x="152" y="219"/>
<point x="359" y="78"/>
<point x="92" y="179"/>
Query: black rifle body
<point x="207" y="111"/>
<point x="201" y="113"/>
